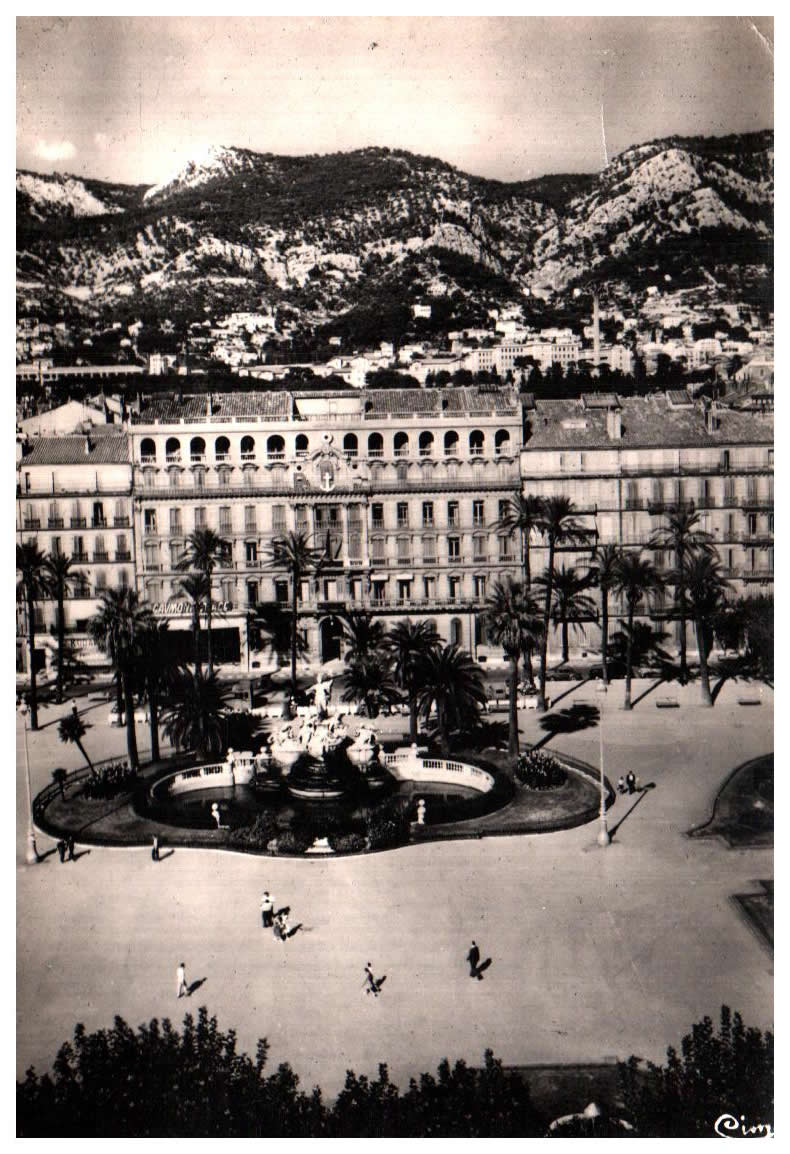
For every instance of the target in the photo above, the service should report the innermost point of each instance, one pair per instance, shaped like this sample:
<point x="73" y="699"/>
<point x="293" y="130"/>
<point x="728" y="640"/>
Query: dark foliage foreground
<point x="158" y="1082"/>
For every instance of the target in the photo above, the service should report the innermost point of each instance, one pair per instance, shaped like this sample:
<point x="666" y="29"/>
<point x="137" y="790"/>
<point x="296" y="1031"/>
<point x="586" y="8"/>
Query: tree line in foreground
<point x="162" y="1082"/>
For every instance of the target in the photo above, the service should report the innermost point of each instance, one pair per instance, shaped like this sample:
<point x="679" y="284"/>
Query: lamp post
<point x="31" y="852"/>
<point x="604" y="837"/>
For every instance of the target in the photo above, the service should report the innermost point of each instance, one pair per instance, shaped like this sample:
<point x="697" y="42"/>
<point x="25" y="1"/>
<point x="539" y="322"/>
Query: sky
<point x="132" y="99"/>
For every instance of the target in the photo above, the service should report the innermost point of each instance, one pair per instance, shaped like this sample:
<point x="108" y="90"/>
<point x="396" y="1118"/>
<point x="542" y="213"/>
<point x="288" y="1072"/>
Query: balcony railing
<point x="123" y="555"/>
<point x="147" y="459"/>
<point x="669" y="506"/>
<point x="269" y="457"/>
<point x="221" y="458"/>
<point x="99" y="523"/>
<point x="32" y="522"/>
<point x="101" y="555"/>
<point x="248" y="457"/>
<point x="78" y="523"/>
<point x="170" y="459"/>
<point x="79" y="558"/>
<point x="55" y="523"/>
<point x="120" y="522"/>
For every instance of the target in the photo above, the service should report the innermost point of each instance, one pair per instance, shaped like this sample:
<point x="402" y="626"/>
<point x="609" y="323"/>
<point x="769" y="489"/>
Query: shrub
<point x="294" y="841"/>
<point x="350" y="842"/>
<point x="388" y="826"/>
<point x="258" y="835"/>
<point x="538" y="770"/>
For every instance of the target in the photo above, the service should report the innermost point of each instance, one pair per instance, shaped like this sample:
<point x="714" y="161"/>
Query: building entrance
<point x="331" y="634"/>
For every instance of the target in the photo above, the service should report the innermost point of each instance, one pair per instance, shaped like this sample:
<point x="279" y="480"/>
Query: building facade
<point x="74" y="496"/>
<point x="626" y="463"/>
<point x="401" y="489"/>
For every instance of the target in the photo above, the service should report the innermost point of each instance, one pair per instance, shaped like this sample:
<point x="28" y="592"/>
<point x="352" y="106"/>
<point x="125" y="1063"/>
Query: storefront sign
<point x="184" y="608"/>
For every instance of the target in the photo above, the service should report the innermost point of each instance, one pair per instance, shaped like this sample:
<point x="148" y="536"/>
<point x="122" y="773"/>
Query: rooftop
<point x="102" y="450"/>
<point x="224" y="406"/>
<point x="646" y="422"/>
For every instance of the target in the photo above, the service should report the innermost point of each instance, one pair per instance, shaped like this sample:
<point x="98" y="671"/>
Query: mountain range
<point x="344" y="241"/>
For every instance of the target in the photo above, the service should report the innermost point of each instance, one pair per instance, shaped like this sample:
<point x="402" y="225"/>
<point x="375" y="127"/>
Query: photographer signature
<point x="728" y="1126"/>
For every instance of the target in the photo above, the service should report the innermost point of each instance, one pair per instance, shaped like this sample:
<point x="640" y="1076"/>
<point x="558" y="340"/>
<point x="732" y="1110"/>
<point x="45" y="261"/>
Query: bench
<point x="750" y="701"/>
<point x="667" y="703"/>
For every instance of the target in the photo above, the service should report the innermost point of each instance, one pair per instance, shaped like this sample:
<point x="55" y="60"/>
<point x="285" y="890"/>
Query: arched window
<point x="426" y="444"/>
<point x="172" y="450"/>
<point x="197" y="449"/>
<point x="302" y="445"/>
<point x="401" y="444"/>
<point x="451" y="443"/>
<point x="221" y="449"/>
<point x="350" y="444"/>
<point x="476" y="440"/>
<point x="375" y="445"/>
<point x="502" y="441"/>
<point x="147" y="450"/>
<point x="248" y="448"/>
<point x="275" y="448"/>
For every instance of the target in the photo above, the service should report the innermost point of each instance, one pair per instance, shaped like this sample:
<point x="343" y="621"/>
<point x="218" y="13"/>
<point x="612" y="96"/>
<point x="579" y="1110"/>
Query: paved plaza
<point x="596" y="952"/>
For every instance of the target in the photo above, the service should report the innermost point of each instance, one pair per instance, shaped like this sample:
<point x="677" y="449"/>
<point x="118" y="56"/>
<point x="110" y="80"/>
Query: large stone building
<point x="74" y="496"/>
<point x="402" y="488"/>
<point x="626" y="462"/>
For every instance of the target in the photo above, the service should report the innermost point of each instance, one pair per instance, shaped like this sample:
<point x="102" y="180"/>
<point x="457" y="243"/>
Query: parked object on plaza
<point x="630" y="781"/>
<point x="182" y="989"/>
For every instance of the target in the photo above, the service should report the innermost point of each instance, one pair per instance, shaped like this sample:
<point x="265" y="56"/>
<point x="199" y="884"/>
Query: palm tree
<point x="605" y="560"/>
<point x="512" y="619"/>
<point x="294" y="553"/>
<point x="706" y="589"/>
<point x="196" y="588"/>
<point x="58" y="577"/>
<point x="559" y="526"/>
<point x="155" y="670"/>
<point x="634" y="579"/>
<point x="570" y="603"/>
<point x="71" y="729"/>
<point x="363" y="633"/>
<point x="204" y="550"/>
<point x="683" y="536"/>
<point x="270" y="625"/>
<point x="410" y="642"/>
<point x="195" y="715"/>
<point x="369" y="679"/>
<point x="118" y="628"/>
<point x="523" y="515"/>
<point x="453" y="683"/>
<point x="30" y="564"/>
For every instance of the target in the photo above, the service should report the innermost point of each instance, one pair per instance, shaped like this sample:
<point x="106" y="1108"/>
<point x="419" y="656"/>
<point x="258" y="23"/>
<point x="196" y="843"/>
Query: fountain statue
<point x="321" y="692"/>
<point x="284" y="744"/>
<point x="362" y="750"/>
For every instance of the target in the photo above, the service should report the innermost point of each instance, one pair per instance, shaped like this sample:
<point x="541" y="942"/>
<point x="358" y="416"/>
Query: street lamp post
<point x="31" y="852"/>
<point x="604" y="837"/>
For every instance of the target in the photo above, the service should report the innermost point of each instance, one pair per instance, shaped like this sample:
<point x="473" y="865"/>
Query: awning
<point x="379" y="576"/>
<point x="403" y="576"/>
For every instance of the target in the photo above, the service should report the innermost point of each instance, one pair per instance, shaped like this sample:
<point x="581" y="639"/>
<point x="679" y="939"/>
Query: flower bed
<point x="537" y="770"/>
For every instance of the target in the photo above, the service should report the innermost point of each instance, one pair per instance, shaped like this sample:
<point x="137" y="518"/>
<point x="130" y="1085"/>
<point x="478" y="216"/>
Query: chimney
<point x="712" y="418"/>
<point x="208" y="406"/>
<point x="87" y="445"/>
<point x="614" y="424"/>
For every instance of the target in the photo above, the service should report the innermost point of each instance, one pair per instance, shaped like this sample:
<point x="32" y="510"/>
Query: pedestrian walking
<point x="70" y="844"/>
<point x="267" y="910"/>
<point x="630" y="781"/>
<point x="181" y="980"/>
<point x="473" y="958"/>
<point x="621" y="786"/>
<point x="62" y="850"/>
<point x="280" y="927"/>
<point x="372" y="983"/>
<point x="155" y="849"/>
